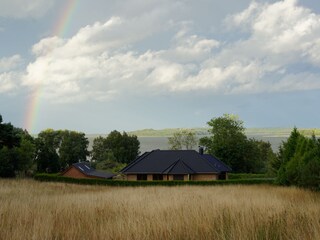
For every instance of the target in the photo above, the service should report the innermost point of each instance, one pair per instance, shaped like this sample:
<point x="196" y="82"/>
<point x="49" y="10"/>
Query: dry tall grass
<point x="34" y="210"/>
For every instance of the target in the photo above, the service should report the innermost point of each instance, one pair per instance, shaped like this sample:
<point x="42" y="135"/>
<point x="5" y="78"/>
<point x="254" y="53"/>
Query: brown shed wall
<point x="74" y="173"/>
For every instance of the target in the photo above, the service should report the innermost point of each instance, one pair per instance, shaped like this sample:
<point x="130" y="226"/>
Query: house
<point x="84" y="170"/>
<point x="169" y="165"/>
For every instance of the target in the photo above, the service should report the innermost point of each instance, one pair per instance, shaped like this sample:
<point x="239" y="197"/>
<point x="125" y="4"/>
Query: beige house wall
<point x="131" y="177"/>
<point x="194" y="177"/>
<point x="204" y="177"/>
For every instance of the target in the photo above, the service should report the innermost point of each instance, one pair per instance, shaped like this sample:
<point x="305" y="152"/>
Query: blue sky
<point x="137" y="64"/>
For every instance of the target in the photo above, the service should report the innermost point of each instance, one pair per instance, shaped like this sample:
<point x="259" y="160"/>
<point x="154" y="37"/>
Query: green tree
<point x="26" y="154"/>
<point x="6" y="166"/>
<point x="99" y="150"/>
<point x="184" y="139"/>
<point x="228" y="142"/>
<point x="73" y="147"/>
<point x="47" y="158"/>
<point x="57" y="149"/>
<point x="122" y="148"/>
<point x="299" y="159"/>
<point x="16" y="150"/>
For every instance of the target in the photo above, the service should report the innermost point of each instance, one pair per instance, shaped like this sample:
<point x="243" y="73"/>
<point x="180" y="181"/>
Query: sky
<point x="96" y="66"/>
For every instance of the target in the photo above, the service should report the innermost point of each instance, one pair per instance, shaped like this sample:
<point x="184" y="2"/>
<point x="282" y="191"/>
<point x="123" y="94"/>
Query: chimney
<point x="200" y="150"/>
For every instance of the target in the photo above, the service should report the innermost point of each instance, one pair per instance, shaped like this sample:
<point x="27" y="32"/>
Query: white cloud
<point x="24" y="8"/>
<point x="99" y="62"/>
<point x="9" y="81"/>
<point x="9" y="73"/>
<point x="8" y="63"/>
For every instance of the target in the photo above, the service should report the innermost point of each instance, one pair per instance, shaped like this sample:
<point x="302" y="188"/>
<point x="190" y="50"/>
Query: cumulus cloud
<point x="9" y="73"/>
<point x="99" y="62"/>
<point x="24" y="8"/>
<point x="8" y="63"/>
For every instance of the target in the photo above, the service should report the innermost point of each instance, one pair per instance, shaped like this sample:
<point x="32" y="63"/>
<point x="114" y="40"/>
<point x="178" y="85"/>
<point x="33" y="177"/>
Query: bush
<point x="108" y="182"/>
<point x="246" y="175"/>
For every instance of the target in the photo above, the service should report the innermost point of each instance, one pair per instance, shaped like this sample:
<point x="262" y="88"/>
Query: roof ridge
<point x="186" y="165"/>
<point x="138" y="159"/>
<point x="167" y="170"/>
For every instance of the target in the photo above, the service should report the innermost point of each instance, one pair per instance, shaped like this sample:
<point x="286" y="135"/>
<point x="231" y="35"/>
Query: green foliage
<point x="16" y="150"/>
<point x="229" y="143"/>
<point x="26" y="153"/>
<point x="73" y="148"/>
<point x="246" y="175"/>
<point x="56" y="149"/>
<point x="6" y="166"/>
<point x="121" y="148"/>
<point x="108" y="182"/>
<point x="299" y="159"/>
<point x="183" y="139"/>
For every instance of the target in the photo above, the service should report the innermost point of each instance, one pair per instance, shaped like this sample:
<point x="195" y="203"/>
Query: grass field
<point x="35" y="210"/>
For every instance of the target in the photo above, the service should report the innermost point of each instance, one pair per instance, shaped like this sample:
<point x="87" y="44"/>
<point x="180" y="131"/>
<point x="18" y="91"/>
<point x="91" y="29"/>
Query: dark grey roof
<point x="171" y="162"/>
<point x="218" y="164"/>
<point x="90" y="171"/>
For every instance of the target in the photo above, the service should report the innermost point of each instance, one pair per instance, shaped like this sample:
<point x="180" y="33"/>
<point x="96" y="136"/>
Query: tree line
<point x="296" y="163"/>
<point x="54" y="150"/>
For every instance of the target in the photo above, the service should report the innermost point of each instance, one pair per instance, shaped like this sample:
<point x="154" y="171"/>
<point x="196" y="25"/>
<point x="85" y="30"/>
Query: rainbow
<point x="60" y="28"/>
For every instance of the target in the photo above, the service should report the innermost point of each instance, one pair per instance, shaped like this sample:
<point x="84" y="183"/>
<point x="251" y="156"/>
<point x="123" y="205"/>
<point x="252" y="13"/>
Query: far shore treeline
<point x="297" y="161"/>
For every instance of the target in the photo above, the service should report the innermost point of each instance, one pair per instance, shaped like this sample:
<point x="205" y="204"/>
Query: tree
<point x="26" y="153"/>
<point x="99" y="150"/>
<point x="57" y="149"/>
<point x="299" y="159"/>
<point x="229" y="143"/>
<point x="182" y="139"/>
<point x="47" y="158"/>
<point x="73" y="147"/>
<point x="6" y="166"/>
<point x="16" y="150"/>
<point x="123" y="148"/>
<point x="8" y="135"/>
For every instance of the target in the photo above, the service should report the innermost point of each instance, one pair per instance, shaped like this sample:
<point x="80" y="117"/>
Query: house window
<point x="142" y="177"/>
<point x="157" y="177"/>
<point x="178" y="177"/>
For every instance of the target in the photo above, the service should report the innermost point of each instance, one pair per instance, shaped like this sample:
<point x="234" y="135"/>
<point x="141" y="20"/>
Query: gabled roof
<point x="86" y="169"/>
<point x="179" y="167"/>
<point x="171" y="162"/>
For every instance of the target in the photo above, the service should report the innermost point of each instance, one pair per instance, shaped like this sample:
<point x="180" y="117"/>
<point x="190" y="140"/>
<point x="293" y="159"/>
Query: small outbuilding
<point x="84" y="170"/>
<point x="185" y="165"/>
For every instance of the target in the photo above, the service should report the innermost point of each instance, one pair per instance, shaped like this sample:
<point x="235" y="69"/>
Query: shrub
<point x="108" y="182"/>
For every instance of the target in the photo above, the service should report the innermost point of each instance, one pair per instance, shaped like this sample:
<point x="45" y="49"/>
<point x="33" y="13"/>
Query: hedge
<point x="246" y="175"/>
<point x="107" y="182"/>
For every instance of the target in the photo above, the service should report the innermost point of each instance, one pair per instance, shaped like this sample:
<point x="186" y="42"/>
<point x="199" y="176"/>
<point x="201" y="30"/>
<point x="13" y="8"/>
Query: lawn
<point x="39" y="210"/>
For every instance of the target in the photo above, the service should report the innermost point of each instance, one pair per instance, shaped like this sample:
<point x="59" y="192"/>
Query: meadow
<point x="38" y="210"/>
